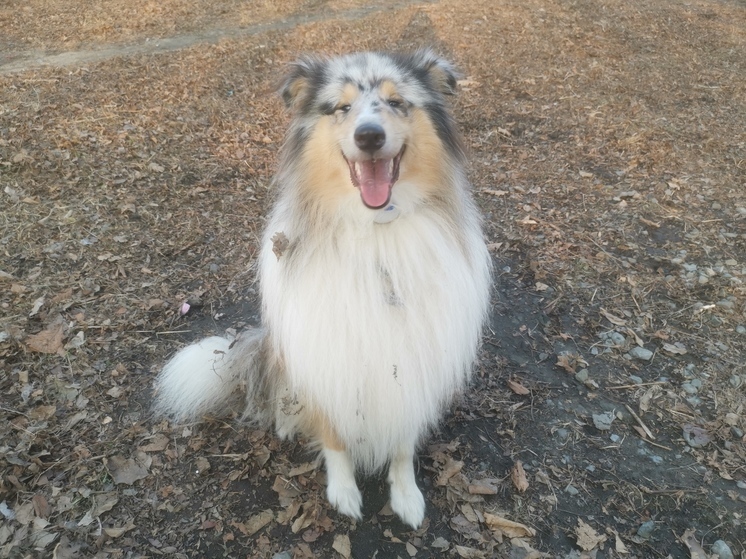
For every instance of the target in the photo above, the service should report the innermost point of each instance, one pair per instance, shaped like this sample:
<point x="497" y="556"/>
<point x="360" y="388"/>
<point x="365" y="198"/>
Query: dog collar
<point x="387" y="214"/>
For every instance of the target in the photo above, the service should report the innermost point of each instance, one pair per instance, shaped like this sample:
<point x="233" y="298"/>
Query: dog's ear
<point x="295" y="87"/>
<point x="441" y="73"/>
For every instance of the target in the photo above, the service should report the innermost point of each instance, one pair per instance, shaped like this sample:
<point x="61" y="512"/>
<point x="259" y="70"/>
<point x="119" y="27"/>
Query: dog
<point x="374" y="278"/>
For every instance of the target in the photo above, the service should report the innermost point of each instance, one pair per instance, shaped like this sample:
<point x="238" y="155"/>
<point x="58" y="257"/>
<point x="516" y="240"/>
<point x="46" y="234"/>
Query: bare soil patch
<point x="608" y="154"/>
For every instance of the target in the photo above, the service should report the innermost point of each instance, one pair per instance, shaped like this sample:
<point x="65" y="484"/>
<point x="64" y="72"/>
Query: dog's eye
<point x="344" y="109"/>
<point x="395" y="103"/>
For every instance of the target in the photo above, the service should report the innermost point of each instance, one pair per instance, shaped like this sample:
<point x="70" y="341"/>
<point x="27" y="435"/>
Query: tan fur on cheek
<point x="327" y="176"/>
<point x="423" y="162"/>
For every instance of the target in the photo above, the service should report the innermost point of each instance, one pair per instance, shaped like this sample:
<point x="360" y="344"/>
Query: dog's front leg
<point x="406" y="498"/>
<point x="341" y="488"/>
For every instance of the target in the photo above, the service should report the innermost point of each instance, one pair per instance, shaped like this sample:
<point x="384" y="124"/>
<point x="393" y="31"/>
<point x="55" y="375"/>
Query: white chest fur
<point x="378" y="326"/>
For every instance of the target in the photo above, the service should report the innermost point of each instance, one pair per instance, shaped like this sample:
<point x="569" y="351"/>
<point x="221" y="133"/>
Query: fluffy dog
<point x="374" y="278"/>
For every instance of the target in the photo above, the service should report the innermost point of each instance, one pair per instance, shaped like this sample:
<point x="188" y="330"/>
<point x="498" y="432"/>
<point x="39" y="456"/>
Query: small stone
<point x="615" y="438"/>
<point x="214" y="268"/>
<point x="716" y="206"/>
<point x="690" y="267"/>
<point x="726" y="304"/>
<point x="721" y="549"/>
<point x="603" y="421"/>
<point x="562" y="434"/>
<point x="582" y="375"/>
<point x="736" y="381"/>
<point x="641" y="353"/>
<point x="617" y="339"/>
<point x="689" y="389"/>
<point x="736" y="432"/>
<point x="656" y="459"/>
<point x="741" y="329"/>
<point x="646" y="529"/>
<point x="283" y="555"/>
<point x="635" y="379"/>
<point x="571" y="490"/>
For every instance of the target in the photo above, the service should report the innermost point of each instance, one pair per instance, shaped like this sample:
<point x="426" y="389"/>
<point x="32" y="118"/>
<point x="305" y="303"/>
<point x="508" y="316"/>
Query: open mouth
<point x="375" y="178"/>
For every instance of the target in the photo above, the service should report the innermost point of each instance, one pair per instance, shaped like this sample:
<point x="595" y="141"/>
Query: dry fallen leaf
<point x="48" y="340"/>
<point x="613" y="318"/>
<point x="41" y="506"/>
<point x="116" y="531"/>
<point x="257" y="522"/>
<point x="483" y="487"/>
<point x="587" y="537"/>
<point x="691" y="542"/>
<point x="42" y="413"/>
<point x="280" y="243"/>
<point x="469" y="552"/>
<point x="676" y="348"/>
<point x="495" y="192"/>
<point x="570" y="361"/>
<point x="128" y="470"/>
<point x="518" y="388"/>
<point x="342" y="545"/>
<point x="157" y="443"/>
<point x="66" y="550"/>
<point x="302" y="469"/>
<point x="619" y="546"/>
<point x="508" y="527"/>
<point x="518" y="477"/>
<point x="450" y="469"/>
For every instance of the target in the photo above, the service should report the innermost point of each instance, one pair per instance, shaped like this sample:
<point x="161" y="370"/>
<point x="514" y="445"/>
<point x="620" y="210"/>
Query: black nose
<point x="370" y="137"/>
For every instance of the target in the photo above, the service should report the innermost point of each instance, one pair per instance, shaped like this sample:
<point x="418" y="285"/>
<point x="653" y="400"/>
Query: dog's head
<point x="366" y="120"/>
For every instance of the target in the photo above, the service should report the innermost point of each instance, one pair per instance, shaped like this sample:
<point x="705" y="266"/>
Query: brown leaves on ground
<point x="507" y="528"/>
<point x="518" y="477"/>
<point x="128" y="470"/>
<point x="587" y="537"/>
<point x="48" y="340"/>
<point x="570" y="361"/>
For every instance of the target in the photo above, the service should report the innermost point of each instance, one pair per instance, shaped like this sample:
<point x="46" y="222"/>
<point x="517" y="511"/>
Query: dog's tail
<point x="210" y="377"/>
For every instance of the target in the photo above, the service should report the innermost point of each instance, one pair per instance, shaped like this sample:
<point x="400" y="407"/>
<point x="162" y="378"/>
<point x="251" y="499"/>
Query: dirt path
<point x="21" y="61"/>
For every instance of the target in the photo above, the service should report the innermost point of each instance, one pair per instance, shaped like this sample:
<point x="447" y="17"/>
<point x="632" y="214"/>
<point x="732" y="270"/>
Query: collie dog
<point x="374" y="278"/>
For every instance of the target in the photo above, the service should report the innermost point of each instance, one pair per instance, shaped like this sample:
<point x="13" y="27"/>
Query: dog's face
<point x="369" y="118"/>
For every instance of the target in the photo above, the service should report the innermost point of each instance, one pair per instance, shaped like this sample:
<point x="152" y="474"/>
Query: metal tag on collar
<point x="387" y="214"/>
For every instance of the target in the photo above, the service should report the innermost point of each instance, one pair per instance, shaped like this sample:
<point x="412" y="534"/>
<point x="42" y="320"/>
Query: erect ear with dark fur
<point x="296" y="85"/>
<point x="441" y="73"/>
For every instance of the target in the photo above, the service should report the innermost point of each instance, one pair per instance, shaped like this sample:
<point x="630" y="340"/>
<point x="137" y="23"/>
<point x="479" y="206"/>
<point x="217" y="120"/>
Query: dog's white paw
<point x="408" y="503"/>
<point x="341" y="489"/>
<point x="346" y="499"/>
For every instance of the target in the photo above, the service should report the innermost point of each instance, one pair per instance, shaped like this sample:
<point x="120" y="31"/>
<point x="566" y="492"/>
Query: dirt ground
<point x="607" y="144"/>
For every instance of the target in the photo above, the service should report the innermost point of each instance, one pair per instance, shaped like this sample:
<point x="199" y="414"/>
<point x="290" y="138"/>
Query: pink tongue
<point x="375" y="182"/>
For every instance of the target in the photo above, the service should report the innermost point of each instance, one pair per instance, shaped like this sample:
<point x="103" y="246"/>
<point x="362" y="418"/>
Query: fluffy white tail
<point x="208" y="377"/>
